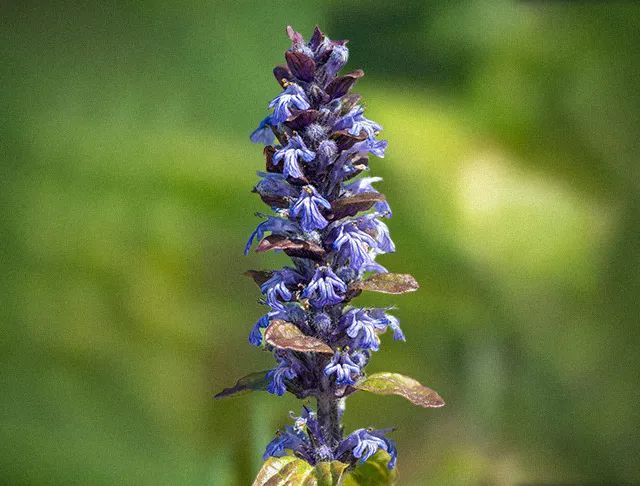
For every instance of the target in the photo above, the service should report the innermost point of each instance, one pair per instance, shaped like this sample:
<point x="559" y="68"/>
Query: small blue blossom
<point x="274" y="185"/>
<point x="292" y="97"/>
<point x="337" y="59"/>
<point x="255" y="336"/>
<point x="384" y="320"/>
<point x="307" y="210"/>
<point x="263" y="134"/>
<point x="277" y="376"/>
<point x="275" y="225"/>
<point x="292" y="153"/>
<point x="364" y="443"/>
<point x="343" y="367"/>
<point x="355" y="122"/>
<point x="323" y="288"/>
<point x="361" y="327"/>
<point x="365" y="184"/>
<point x="353" y="245"/>
<point x="384" y="244"/>
<point x="290" y="439"/>
<point x="375" y="147"/>
<point x="275" y="289"/>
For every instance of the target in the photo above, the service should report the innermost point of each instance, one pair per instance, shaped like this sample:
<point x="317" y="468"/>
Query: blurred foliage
<point x="126" y="169"/>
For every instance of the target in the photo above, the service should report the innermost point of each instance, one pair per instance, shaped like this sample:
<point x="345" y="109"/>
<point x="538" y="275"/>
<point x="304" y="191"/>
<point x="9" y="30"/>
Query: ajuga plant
<point x="328" y="218"/>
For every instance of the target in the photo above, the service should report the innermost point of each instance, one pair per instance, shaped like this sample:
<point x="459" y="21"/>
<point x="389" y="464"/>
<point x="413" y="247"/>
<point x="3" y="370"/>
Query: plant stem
<point x="329" y="415"/>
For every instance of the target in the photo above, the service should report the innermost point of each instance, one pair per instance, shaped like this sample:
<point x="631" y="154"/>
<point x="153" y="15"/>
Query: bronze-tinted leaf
<point x="349" y="101"/>
<point x="268" y="152"/>
<point x="396" y="384"/>
<point x="388" y="283"/>
<point x="301" y="119"/>
<point x="301" y="65"/>
<point x="282" y="75"/>
<point x="293" y="248"/>
<point x="360" y="162"/>
<point x="259" y="276"/>
<point x="316" y="38"/>
<point x="340" y="86"/>
<point x="275" y="201"/>
<point x="352" y="205"/>
<point x="295" y="37"/>
<point x="253" y="382"/>
<point x="344" y="140"/>
<point x="285" y="335"/>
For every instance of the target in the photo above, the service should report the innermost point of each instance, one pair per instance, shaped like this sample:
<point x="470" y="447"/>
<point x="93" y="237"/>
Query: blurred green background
<point x="126" y="169"/>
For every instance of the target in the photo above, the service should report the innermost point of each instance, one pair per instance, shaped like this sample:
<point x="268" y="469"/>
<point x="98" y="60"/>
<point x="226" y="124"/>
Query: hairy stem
<point x="329" y="414"/>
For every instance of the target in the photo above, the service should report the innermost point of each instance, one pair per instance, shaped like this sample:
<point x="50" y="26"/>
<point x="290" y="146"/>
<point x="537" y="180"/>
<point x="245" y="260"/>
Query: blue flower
<point x="384" y="244"/>
<point x="322" y="289"/>
<point x="365" y="184"/>
<point x="361" y="327"/>
<point x="364" y="443"/>
<point x="275" y="225"/>
<point x="274" y="185"/>
<point x="337" y="59"/>
<point x="375" y="147"/>
<point x="255" y="336"/>
<point x="327" y="151"/>
<point x="290" y="439"/>
<point x="343" y="367"/>
<point x="353" y="244"/>
<point x="292" y="97"/>
<point x="263" y="134"/>
<point x="384" y="320"/>
<point x="277" y="376"/>
<point x="355" y="122"/>
<point x="276" y="289"/>
<point x="307" y="211"/>
<point x="291" y="153"/>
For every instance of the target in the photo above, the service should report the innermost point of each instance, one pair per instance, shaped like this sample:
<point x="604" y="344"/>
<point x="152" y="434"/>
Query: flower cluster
<point x="317" y="141"/>
<point x="329" y="218"/>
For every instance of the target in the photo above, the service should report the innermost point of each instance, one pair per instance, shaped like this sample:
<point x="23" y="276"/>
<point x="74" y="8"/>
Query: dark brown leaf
<point x="395" y="384"/>
<point x="282" y="75"/>
<point x="268" y="152"/>
<point x="352" y="205"/>
<point x="301" y="119"/>
<point x="301" y="65"/>
<point x="348" y="101"/>
<point x="316" y="38"/>
<point x="359" y="163"/>
<point x="388" y="283"/>
<point x="293" y="248"/>
<point x="254" y="382"/>
<point x="285" y="335"/>
<point x="259" y="276"/>
<point x="344" y="140"/>
<point x="340" y="86"/>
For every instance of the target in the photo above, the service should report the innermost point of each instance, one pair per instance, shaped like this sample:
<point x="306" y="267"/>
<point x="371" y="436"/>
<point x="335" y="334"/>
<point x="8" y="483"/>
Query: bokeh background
<point x="125" y="177"/>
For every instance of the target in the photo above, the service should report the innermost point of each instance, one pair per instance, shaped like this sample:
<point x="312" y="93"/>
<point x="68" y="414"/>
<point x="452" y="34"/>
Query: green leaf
<point x="285" y="335"/>
<point x="374" y="472"/>
<point x="396" y="384"/>
<point x="329" y="473"/>
<point x="388" y="283"/>
<point x="290" y="470"/>
<point x="253" y="382"/>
